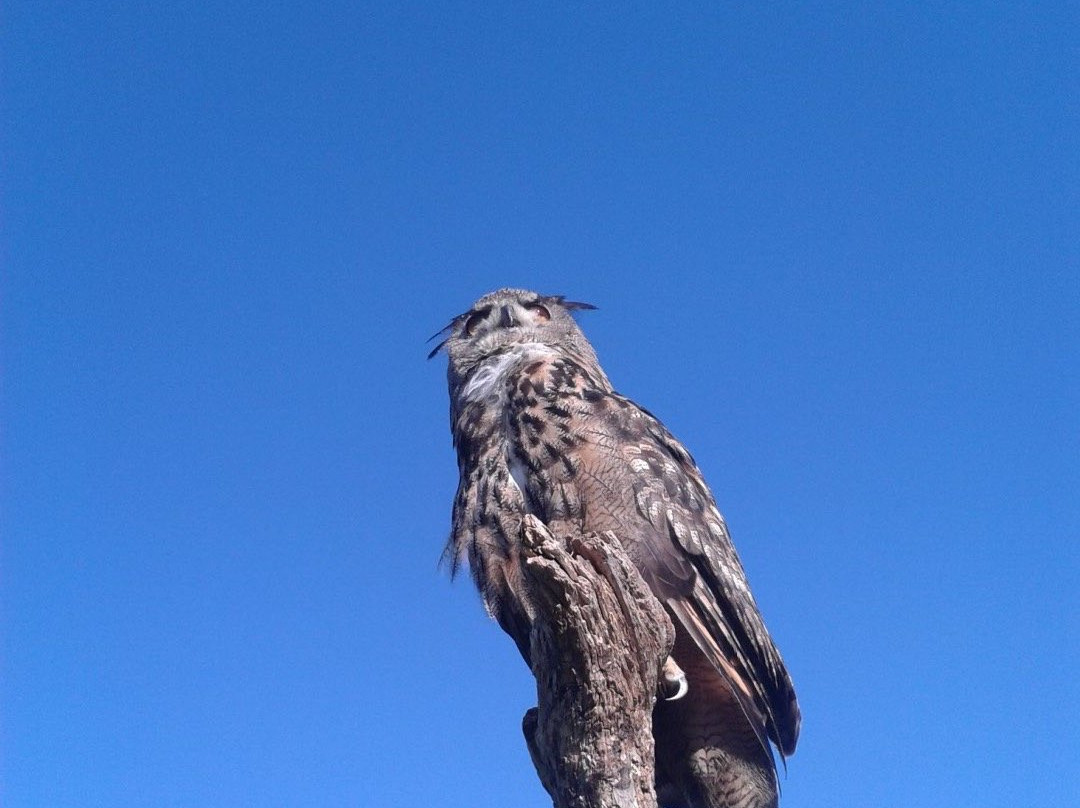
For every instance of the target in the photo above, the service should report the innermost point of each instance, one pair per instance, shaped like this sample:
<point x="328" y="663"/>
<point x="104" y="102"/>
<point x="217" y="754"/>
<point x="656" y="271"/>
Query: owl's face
<point x="500" y="320"/>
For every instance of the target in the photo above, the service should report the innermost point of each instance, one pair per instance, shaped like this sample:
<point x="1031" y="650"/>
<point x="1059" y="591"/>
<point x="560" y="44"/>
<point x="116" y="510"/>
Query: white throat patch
<point x="491" y="374"/>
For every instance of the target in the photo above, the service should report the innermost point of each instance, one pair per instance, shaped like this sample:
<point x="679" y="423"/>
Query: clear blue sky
<point x="836" y="248"/>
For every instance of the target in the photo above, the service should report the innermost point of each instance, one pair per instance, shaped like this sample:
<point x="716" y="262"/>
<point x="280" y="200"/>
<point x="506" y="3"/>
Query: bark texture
<point x="598" y="642"/>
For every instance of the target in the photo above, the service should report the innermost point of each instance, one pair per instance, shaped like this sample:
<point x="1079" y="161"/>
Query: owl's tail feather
<point x="688" y="619"/>
<point x="707" y="754"/>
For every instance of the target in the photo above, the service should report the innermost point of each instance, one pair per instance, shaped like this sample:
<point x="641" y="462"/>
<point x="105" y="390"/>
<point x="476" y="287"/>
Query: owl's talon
<point x="674" y="685"/>
<point x="679" y="686"/>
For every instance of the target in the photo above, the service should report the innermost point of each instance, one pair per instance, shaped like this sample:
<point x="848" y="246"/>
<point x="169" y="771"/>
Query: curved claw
<point x="674" y="685"/>
<point x="683" y="687"/>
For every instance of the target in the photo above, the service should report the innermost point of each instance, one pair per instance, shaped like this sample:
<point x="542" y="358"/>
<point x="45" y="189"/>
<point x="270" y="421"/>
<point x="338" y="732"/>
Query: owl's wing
<point x="684" y="548"/>
<point x="585" y="452"/>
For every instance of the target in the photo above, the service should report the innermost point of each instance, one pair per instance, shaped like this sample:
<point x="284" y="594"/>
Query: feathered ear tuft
<point x="437" y="334"/>
<point x="573" y="305"/>
<point x="436" y="349"/>
<point x="441" y="331"/>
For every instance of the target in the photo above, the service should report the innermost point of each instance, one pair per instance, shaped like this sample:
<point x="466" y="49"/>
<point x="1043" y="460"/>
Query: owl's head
<point x="501" y="319"/>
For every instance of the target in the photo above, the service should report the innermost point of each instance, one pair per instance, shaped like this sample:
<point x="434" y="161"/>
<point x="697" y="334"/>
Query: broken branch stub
<point x="598" y="642"/>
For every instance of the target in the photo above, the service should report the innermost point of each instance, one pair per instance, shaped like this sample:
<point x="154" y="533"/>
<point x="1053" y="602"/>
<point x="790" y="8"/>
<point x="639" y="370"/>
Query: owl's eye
<point x="541" y="312"/>
<point x="474" y="320"/>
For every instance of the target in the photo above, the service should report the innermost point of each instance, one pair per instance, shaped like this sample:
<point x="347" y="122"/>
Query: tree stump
<point x="598" y="642"/>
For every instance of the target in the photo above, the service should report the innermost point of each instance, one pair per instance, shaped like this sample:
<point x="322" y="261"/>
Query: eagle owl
<point x="538" y="429"/>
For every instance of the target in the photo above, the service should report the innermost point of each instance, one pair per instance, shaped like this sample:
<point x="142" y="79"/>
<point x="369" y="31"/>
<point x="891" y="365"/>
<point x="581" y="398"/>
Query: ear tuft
<point x="573" y="305"/>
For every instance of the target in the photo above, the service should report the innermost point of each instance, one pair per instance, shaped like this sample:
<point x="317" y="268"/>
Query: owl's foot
<point x="673" y="684"/>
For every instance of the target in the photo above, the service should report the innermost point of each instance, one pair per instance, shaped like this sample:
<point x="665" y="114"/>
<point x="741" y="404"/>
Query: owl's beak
<point x="506" y="317"/>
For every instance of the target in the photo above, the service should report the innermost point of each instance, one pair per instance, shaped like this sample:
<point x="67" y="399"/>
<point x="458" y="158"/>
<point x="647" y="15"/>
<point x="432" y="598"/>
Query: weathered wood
<point x="598" y="642"/>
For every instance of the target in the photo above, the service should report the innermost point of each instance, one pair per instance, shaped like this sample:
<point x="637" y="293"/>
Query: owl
<point x="538" y="429"/>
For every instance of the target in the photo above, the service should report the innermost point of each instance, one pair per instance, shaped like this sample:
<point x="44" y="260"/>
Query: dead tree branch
<point x="598" y="643"/>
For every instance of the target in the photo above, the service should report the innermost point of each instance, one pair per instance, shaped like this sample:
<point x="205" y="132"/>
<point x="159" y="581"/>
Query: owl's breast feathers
<point x="537" y="432"/>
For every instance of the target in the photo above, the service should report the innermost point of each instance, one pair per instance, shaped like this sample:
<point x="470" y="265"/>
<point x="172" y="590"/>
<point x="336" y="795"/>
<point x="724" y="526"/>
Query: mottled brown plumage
<point x="539" y="429"/>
